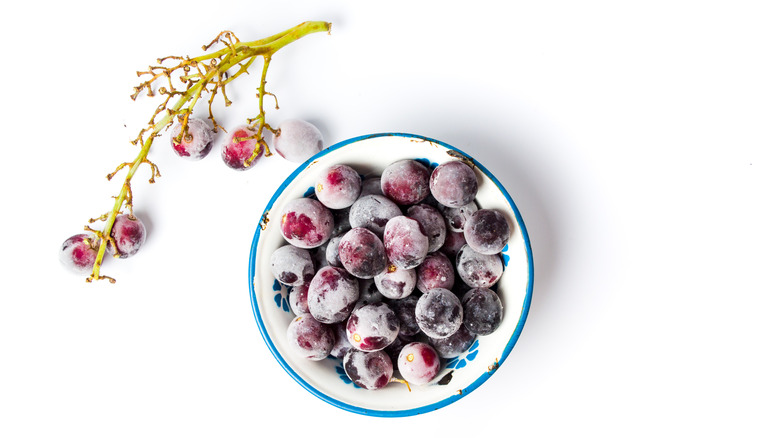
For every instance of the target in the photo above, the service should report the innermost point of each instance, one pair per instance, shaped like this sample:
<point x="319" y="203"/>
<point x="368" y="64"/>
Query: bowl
<point x="326" y="379"/>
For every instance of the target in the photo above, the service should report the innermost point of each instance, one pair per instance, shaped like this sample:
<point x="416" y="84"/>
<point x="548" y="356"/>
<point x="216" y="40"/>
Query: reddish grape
<point x="418" y="363"/>
<point x="439" y="313"/>
<point x="78" y="253"/>
<point x="435" y="271"/>
<point x="396" y="283"/>
<point x="372" y="186"/>
<point x="340" y="222"/>
<point x="368" y="292"/>
<point x="342" y="345"/>
<point x="338" y="186"/>
<point x="306" y="223"/>
<point x="310" y="338"/>
<point x="239" y="147"/>
<point x="332" y="294"/>
<point x="455" y="344"/>
<point x="129" y="234"/>
<point x="404" y="309"/>
<point x="291" y="265"/>
<point x="432" y="223"/>
<point x="369" y="370"/>
<point x="453" y="184"/>
<point x="373" y="212"/>
<point x="332" y="251"/>
<point x="297" y="140"/>
<point x="406" y="182"/>
<point x="456" y="217"/>
<point x="405" y="242"/>
<point x="196" y="143"/>
<point x="486" y="231"/>
<point x="372" y="327"/>
<point x="482" y="311"/>
<point x="478" y="270"/>
<point x="362" y="253"/>
<point x="299" y="299"/>
<point x="452" y="244"/>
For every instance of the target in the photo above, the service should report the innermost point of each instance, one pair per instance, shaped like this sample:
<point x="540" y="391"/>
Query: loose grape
<point x="452" y="244"/>
<point x="239" y="147"/>
<point x="306" y="223"/>
<point x="369" y="370"/>
<point x="342" y="345"/>
<point x="405" y="242"/>
<point x="482" y="311"/>
<point x="297" y="140"/>
<point x="396" y="283"/>
<point x="310" y="338"/>
<point x="291" y="265"/>
<point x="299" y="299"/>
<point x="368" y="292"/>
<point x="78" y="253"/>
<point x="406" y="182"/>
<point x="332" y="294"/>
<point x="373" y="212"/>
<point x="418" y="363"/>
<point x="196" y="143"/>
<point x="478" y="270"/>
<point x="404" y="309"/>
<point x="338" y="186"/>
<point x="486" y="231"/>
<point x="332" y="251"/>
<point x="129" y="234"/>
<point x="372" y="327"/>
<point x="432" y="223"/>
<point x="456" y="217"/>
<point x="362" y="253"/>
<point x="319" y="256"/>
<point x="455" y="344"/>
<point x="453" y="184"/>
<point x="372" y="186"/>
<point x="435" y="271"/>
<point x="439" y="313"/>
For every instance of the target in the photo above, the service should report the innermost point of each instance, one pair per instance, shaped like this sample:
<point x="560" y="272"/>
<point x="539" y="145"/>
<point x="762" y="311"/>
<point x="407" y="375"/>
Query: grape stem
<point x="209" y="74"/>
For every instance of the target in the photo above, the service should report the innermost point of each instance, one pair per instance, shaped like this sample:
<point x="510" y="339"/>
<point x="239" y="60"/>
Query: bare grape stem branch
<point x="206" y="74"/>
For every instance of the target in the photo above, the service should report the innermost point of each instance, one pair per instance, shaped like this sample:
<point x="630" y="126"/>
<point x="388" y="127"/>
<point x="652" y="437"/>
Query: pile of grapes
<point x="393" y="272"/>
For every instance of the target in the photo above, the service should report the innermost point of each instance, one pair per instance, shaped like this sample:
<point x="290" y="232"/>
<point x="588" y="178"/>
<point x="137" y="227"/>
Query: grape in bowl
<point x="457" y="376"/>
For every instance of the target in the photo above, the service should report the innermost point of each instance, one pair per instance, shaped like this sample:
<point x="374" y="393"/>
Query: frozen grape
<point x="478" y="270"/>
<point x="332" y="251"/>
<point x="291" y="265"/>
<point x="318" y="257"/>
<point x="372" y="327"/>
<point x="194" y="144"/>
<point x="373" y="212"/>
<point x="404" y="309"/>
<point x="418" y="363"/>
<point x="405" y="242"/>
<point x="455" y="344"/>
<point x="299" y="299"/>
<point x="406" y="182"/>
<point x="439" y="313"/>
<point x="435" y="271"/>
<point x="239" y="147"/>
<point x="338" y="186"/>
<point x="128" y="234"/>
<point x="368" y="292"/>
<point x="452" y="244"/>
<point x="456" y="217"/>
<point x="453" y="184"/>
<point x="342" y="345"/>
<point x="306" y="223"/>
<point x="482" y="311"/>
<point x="432" y="223"/>
<point x="78" y="253"/>
<point x="372" y="186"/>
<point x="310" y="338"/>
<point x="369" y="370"/>
<point x="332" y="294"/>
<point x="297" y="140"/>
<point x="396" y="283"/>
<point x="362" y="253"/>
<point x="486" y="231"/>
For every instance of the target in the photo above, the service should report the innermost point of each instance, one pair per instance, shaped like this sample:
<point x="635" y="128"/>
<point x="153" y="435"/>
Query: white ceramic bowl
<point x="326" y="379"/>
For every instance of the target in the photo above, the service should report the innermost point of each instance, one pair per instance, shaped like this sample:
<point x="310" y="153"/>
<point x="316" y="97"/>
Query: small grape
<point x="478" y="270"/>
<point x="439" y="313"/>
<point x="456" y="217"/>
<point x="310" y="338"/>
<point x="239" y="147"/>
<point x="372" y="327"/>
<point x="299" y="299"/>
<point x="338" y="186"/>
<point x="435" y="271"/>
<point x="455" y="344"/>
<point x="404" y="309"/>
<point x="319" y="257"/>
<point x="129" y="234"/>
<point x="453" y="184"/>
<point x="482" y="311"/>
<point x="298" y="140"/>
<point x="418" y="363"/>
<point x="291" y="265"/>
<point x="405" y="242"/>
<point x="432" y="223"/>
<point x="486" y="231"/>
<point x="396" y="283"/>
<point x="196" y="143"/>
<point x="368" y="292"/>
<point x="406" y="182"/>
<point x="362" y="253"/>
<point x="78" y="253"/>
<point x="369" y="370"/>
<point x="332" y="295"/>
<point x="342" y="345"/>
<point x="373" y="212"/>
<point x="306" y="223"/>
<point x="452" y="244"/>
<point x="372" y="186"/>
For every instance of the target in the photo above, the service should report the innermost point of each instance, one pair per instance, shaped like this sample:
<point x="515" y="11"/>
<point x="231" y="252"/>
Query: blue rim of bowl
<point x="381" y="413"/>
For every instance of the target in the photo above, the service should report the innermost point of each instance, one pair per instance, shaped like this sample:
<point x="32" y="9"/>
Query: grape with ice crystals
<point x="456" y="217"/>
<point x="291" y="265"/>
<point x="404" y="310"/>
<point x="299" y="299"/>
<point x="435" y="271"/>
<point x="78" y="253"/>
<point x="396" y="283"/>
<point x="297" y="140"/>
<point x="418" y="363"/>
<point x="373" y="212"/>
<point x="338" y="186"/>
<point x="372" y="327"/>
<point x="128" y="234"/>
<point x="486" y="231"/>
<point x="310" y="338"/>
<point x="455" y="344"/>
<point x="406" y="182"/>
<point x="432" y="223"/>
<point x="332" y="294"/>
<point x="478" y="270"/>
<point x="439" y="313"/>
<point x="482" y="311"/>
<point x="239" y="148"/>
<point x="342" y="345"/>
<point x="405" y="242"/>
<point x="362" y="253"/>
<point x="196" y="143"/>
<point x="453" y="184"/>
<point x="306" y="223"/>
<point x="369" y="370"/>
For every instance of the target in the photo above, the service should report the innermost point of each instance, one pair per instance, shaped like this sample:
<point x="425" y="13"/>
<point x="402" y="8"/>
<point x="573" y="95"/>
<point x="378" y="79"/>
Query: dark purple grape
<point x="435" y="271"/>
<point x="291" y="265"/>
<point x="418" y="363"/>
<point x="405" y="311"/>
<point x="452" y="244"/>
<point x="372" y="186"/>
<point x="478" y="270"/>
<point x="394" y="349"/>
<point x="405" y="242"/>
<point x="432" y="223"/>
<point x="406" y="182"/>
<point x="310" y="338"/>
<point x="332" y="251"/>
<point x="342" y="345"/>
<point x="362" y="253"/>
<point x="369" y="370"/>
<point x="297" y="140"/>
<point x="332" y="295"/>
<point x="482" y="311"/>
<point x="79" y="252"/>
<point x="239" y="147"/>
<point x="456" y="217"/>
<point x="299" y="299"/>
<point x="194" y="144"/>
<point x="368" y="293"/>
<point x="453" y="184"/>
<point x="486" y="231"/>
<point x="439" y="313"/>
<point x="306" y="223"/>
<point x="396" y="283"/>
<point x="373" y="212"/>
<point x="129" y="234"/>
<point x="372" y="327"/>
<point x="319" y="257"/>
<point x="455" y="344"/>
<point x="338" y="186"/>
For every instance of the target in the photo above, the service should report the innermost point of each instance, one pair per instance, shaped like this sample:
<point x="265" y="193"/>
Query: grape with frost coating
<point x="298" y="140"/>
<point x="306" y="223"/>
<point x="418" y="363"/>
<point x="310" y="338"/>
<point x="129" y="233"/>
<point x="369" y="370"/>
<point x="78" y="254"/>
<point x="196" y="143"/>
<point x="439" y="313"/>
<point x="291" y="265"/>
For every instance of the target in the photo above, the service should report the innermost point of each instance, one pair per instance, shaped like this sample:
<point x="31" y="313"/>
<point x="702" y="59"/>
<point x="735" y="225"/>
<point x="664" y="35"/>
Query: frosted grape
<point x="239" y="147"/>
<point x="453" y="184"/>
<point x="373" y="212"/>
<point x="396" y="283"/>
<point x="406" y="182"/>
<point x="129" y="233"/>
<point x="432" y="223"/>
<point x="310" y="338"/>
<point x="369" y="370"/>
<point x="439" y="313"/>
<point x="418" y="363"/>
<point x="297" y="140"/>
<point x="78" y="254"/>
<point x="372" y="327"/>
<point x="362" y="253"/>
<point x="482" y="311"/>
<point x="455" y="344"/>
<point x="338" y="186"/>
<point x="196" y="143"/>
<point x="486" y="231"/>
<point x="435" y="271"/>
<point x="306" y="223"/>
<point x="332" y="294"/>
<point x="405" y="242"/>
<point x="478" y="270"/>
<point x="292" y="266"/>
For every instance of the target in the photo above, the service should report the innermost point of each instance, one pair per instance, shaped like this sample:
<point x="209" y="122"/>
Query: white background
<point x="639" y="140"/>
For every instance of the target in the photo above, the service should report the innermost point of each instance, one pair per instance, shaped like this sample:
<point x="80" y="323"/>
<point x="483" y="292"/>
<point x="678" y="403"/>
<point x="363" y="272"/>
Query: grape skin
<point x="129" y="233"/>
<point x="455" y="344"/>
<point x="486" y="231"/>
<point x="369" y="370"/>
<point x="478" y="270"/>
<point x="362" y="253"/>
<point x="310" y="338"/>
<point x="482" y="311"/>
<point x="291" y="265"/>
<point x="332" y="295"/>
<point x="77" y="253"/>
<point x="435" y="271"/>
<point x="297" y="140"/>
<point x="405" y="242"/>
<point x="406" y="182"/>
<point x="239" y="147"/>
<point x="338" y="187"/>
<point x="396" y="283"/>
<point x="432" y="223"/>
<point x="373" y="212"/>
<point x="306" y="223"/>
<point x="439" y="313"/>
<point x="372" y="327"/>
<point x="199" y="143"/>
<point x="418" y="363"/>
<point x="453" y="184"/>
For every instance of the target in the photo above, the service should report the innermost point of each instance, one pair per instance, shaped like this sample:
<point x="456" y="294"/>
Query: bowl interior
<point x="326" y="379"/>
